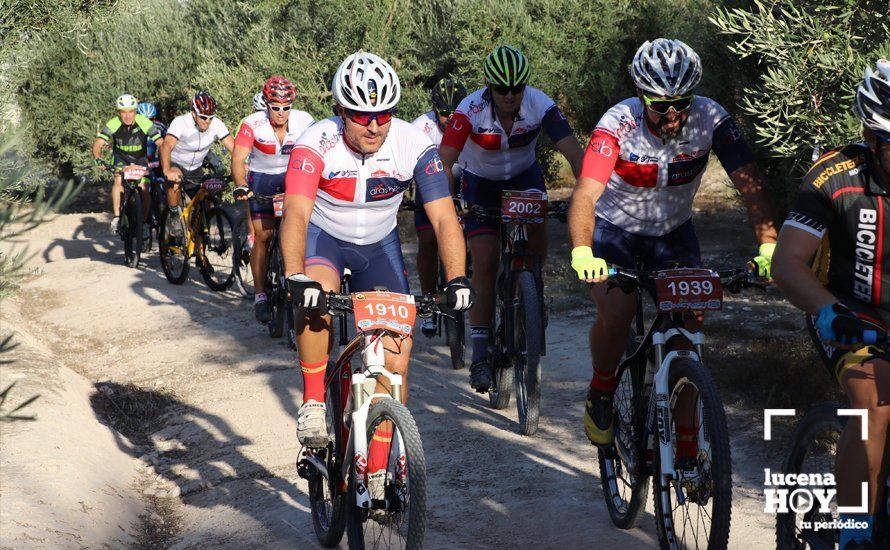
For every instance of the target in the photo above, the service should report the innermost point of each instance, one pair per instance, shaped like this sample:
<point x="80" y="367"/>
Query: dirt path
<point x="227" y="446"/>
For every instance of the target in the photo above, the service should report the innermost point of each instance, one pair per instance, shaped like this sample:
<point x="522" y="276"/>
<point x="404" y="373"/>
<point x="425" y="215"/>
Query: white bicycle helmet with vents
<point x="872" y="103"/>
<point x="365" y="82"/>
<point x="259" y="104"/>
<point x="666" y="68"/>
<point x="126" y="101"/>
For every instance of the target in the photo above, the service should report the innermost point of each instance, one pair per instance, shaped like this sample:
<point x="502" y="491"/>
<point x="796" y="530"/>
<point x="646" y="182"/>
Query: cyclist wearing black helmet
<point x="445" y="97"/>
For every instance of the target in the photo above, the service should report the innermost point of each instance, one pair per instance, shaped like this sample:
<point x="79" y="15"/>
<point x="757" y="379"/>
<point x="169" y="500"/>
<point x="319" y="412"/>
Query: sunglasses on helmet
<point x="500" y="89"/>
<point x="662" y="106"/>
<point x="365" y="119"/>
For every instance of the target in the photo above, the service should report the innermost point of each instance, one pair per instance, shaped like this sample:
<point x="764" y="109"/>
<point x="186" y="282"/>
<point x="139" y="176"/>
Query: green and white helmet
<point x="506" y="66"/>
<point x="126" y="101"/>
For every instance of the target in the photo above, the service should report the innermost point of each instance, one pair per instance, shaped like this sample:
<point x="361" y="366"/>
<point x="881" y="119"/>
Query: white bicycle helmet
<point x="365" y="82"/>
<point x="259" y="103"/>
<point x="126" y="101"/>
<point x="872" y="103"/>
<point x="665" y="67"/>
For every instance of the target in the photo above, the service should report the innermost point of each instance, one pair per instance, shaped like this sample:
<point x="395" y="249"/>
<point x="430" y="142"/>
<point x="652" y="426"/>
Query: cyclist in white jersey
<point x="267" y="137"/>
<point x="495" y="130"/>
<point x="445" y="97"/>
<point x="188" y="140"/>
<point x="344" y="186"/>
<point x="641" y="170"/>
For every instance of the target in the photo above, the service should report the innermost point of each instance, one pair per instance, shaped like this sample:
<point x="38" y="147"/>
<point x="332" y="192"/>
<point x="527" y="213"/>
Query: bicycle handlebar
<point x="338" y="303"/>
<point x="735" y="279"/>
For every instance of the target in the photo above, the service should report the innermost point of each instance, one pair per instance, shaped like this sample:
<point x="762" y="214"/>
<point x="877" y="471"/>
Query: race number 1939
<point x="688" y="289"/>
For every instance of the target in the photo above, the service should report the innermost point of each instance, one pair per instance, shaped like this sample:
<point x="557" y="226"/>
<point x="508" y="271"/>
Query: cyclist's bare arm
<point x="170" y="172"/>
<point x="449" y="156"/>
<point x="571" y="150"/>
<point x="229" y="143"/>
<point x="98" y="144"/>
<point x="749" y="181"/>
<point x="793" y="274"/>
<point x="449" y="235"/>
<point x="297" y="211"/>
<point x="238" y="168"/>
<point x="586" y="194"/>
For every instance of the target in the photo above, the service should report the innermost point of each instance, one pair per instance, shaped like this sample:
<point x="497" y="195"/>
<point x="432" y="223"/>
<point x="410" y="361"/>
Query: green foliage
<point x="166" y="50"/>
<point x="811" y="56"/>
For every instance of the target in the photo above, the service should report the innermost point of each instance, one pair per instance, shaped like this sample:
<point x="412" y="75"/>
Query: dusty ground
<point x="216" y="469"/>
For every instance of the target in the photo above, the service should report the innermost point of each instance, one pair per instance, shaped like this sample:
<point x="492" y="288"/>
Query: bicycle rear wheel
<point x="694" y="508"/>
<point x="131" y="228"/>
<point x="528" y="338"/>
<point x="397" y="517"/>
<point x="173" y="247"/>
<point x="217" y="250"/>
<point x="327" y="501"/>
<point x="241" y="261"/>
<point x="623" y="472"/>
<point x="813" y="450"/>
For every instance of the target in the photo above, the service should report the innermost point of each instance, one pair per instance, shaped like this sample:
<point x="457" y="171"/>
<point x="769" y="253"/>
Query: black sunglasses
<point x="503" y="90"/>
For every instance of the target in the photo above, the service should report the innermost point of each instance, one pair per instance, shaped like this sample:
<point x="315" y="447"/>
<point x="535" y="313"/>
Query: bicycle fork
<point x="364" y="380"/>
<point x="658" y="418"/>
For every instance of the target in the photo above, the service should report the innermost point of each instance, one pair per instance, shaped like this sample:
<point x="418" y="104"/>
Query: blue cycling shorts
<point x="372" y="265"/>
<point x="620" y="247"/>
<point x="264" y="184"/>
<point x="487" y="193"/>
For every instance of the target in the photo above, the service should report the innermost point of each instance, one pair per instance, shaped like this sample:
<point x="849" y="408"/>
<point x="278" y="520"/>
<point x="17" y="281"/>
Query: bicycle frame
<point x="657" y="419"/>
<point x="196" y="203"/>
<point x="515" y="258"/>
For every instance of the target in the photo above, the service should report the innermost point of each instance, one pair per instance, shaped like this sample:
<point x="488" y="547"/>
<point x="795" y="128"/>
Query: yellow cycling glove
<point x="586" y="266"/>
<point x="764" y="260"/>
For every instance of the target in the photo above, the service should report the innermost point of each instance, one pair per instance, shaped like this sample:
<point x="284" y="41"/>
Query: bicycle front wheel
<point x="276" y="292"/>
<point x="813" y="450"/>
<point x="218" y="250"/>
<point x="241" y="261"/>
<point x="397" y="516"/>
<point x="693" y="508"/>
<point x="131" y="228"/>
<point x="173" y="247"/>
<point x="528" y="338"/>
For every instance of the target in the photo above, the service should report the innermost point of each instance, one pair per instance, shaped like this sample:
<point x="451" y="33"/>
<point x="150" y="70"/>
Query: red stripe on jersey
<point x="636" y="174"/>
<point x="245" y="136"/>
<point x="457" y="132"/>
<point x="267" y="148"/>
<point x="339" y="188"/>
<point x="878" y="281"/>
<point x="843" y="190"/>
<point x="491" y="142"/>
<point x="600" y="156"/>
<point x="303" y="172"/>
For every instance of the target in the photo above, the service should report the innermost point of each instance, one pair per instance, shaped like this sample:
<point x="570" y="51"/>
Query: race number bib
<point x="384" y="310"/>
<point x="134" y="172"/>
<point x="278" y="204"/>
<point x="528" y="206"/>
<point x="688" y="289"/>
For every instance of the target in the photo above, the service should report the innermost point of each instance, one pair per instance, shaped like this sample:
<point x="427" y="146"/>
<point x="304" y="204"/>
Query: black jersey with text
<point x="843" y="202"/>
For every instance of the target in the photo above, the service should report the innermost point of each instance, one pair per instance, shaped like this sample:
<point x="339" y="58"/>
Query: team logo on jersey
<point x="645" y="159"/>
<point x="837" y="168"/>
<point x="477" y="107"/>
<point x="326" y="142"/>
<point x="434" y="166"/>
<point x="384" y="188"/>
<point x="303" y="164"/>
<point x="866" y="240"/>
<point x="342" y="174"/>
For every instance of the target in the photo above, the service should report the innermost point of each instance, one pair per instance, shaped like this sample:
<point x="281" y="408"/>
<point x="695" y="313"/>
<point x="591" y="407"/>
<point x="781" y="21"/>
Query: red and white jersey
<point x="487" y="150"/>
<point x="357" y="196"/>
<point x="430" y="125"/>
<point x="651" y="182"/>
<point x="268" y="156"/>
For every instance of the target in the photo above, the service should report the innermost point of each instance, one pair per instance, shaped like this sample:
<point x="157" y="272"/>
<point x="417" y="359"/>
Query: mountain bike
<point x="276" y="279"/>
<point x="203" y="230"/>
<point x="158" y="201"/>
<point x="375" y="510"/>
<point x="517" y="342"/>
<point x="812" y="451"/>
<point x="453" y="322"/>
<point x="657" y="384"/>
<point x="132" y="175"/>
